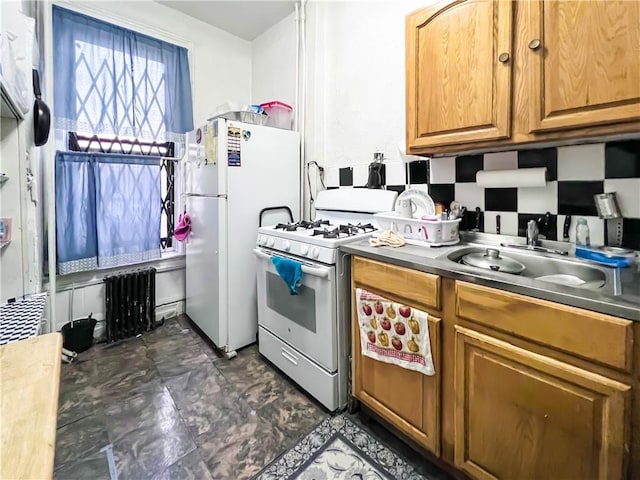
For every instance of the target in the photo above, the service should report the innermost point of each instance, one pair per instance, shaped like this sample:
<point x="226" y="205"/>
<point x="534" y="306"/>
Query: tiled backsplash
<point x="574" y="174"/>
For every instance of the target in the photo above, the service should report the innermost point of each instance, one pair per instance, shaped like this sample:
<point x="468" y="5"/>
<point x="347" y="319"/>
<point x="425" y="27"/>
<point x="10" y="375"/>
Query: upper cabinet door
<point x="584" y="63"/>
<point x="459" y="69"/>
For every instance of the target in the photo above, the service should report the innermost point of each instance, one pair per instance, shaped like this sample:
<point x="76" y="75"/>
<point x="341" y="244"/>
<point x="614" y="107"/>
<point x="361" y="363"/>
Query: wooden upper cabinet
<point x="519" y="414"/>
<point x="584" y="62"/>
<point x="459" y="69"/>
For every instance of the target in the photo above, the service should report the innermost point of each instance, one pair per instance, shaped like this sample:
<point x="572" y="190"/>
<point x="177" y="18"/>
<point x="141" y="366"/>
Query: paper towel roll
<point x="520" y="177"/>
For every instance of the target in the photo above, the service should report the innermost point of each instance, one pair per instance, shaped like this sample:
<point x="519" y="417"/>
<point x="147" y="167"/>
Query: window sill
<point x="168" y="262"/>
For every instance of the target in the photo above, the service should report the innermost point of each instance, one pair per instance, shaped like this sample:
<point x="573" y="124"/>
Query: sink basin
<point x="544" y="268"/>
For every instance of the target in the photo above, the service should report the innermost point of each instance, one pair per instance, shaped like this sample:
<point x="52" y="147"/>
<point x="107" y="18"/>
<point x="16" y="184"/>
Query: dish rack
<point x="434" y="233"/>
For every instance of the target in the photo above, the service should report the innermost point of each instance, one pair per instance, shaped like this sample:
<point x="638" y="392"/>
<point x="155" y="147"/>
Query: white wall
<point x="220" y="71"/>
<point x="355" y="81"/>
<point x="355" y="77"/>
<point x="273" y="57"/>
<point x="364" y="80"/>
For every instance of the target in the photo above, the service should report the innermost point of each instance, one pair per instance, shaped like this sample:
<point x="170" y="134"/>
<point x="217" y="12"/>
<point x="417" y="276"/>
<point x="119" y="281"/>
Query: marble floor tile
<point x="80" y="439"/>
<point x="144" y="453"/>
<point x="205" y="399"/>
<point x="179" y="347"/>
<point x="113" y="374"/>
<point x="126" y="348"/>
<point x="174" y="408"/>
<point x="240" y="449"/>
<point x="255" y="380"/>
<point x="91" y="467"/>
<point x="76" y="402"/>
<point x="294" y="413"/>
<point x="189" y="467"/>
<point x="170" y="328"/>
<point x="141" y="411"/>
<point x="172" y="367"/>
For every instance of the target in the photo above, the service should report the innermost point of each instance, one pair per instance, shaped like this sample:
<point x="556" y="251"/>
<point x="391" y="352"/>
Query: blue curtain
<point x="107" y="210"/>
<point x="128" y="209"/>
<point x="75" y="213"/>
<point x="113" y="81"/>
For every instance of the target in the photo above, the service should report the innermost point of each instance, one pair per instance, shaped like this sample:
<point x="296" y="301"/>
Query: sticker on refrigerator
<point x="210" y="145"/>
<point x="233" y="146"/>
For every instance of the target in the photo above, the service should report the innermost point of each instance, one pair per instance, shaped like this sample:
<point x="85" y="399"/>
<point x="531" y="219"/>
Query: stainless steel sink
<point x="568" y="272"/>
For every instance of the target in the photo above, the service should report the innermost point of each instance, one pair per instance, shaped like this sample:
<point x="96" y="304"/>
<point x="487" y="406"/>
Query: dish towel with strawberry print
<point x="394" y="333"/>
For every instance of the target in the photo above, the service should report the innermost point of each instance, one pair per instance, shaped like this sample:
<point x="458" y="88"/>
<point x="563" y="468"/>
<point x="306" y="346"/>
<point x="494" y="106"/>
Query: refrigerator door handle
<point x="316" y="272"/>
<point x="205" y="195"/>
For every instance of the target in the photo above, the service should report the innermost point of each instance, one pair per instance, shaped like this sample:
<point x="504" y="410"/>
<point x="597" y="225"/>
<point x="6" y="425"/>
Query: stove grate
<point x="301" y="225"/>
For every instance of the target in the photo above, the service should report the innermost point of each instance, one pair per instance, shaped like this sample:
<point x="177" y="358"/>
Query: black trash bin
<point x="78" y="335"/>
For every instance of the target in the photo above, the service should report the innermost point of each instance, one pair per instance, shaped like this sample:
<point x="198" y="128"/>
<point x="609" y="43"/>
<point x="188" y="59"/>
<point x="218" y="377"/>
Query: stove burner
<point x="351" y="229"/>
<point x="344" y="231"/>
<point x="301" y="225"/>
<point x="288" y="227"/>
<point x="327" y="233"/>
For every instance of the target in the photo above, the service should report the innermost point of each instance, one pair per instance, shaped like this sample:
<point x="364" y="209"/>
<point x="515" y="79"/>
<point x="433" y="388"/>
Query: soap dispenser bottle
<point x="582" y="233"/>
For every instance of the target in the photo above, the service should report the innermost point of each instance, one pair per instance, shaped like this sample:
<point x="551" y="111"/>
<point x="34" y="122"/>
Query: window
<point x="121" y="99"/>
<point x="166" y="150"/>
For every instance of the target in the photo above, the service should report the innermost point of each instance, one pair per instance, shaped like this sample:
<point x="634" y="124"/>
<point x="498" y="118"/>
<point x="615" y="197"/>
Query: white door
<point x="306" y="321"/>
<point x="206" y="268"/>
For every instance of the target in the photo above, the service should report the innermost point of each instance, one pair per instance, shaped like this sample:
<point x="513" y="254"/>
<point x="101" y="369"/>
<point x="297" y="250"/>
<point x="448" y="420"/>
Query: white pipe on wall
<point x="49" y="170"/>
<point x="297" y="99"/>
<point x="302" y="102"/>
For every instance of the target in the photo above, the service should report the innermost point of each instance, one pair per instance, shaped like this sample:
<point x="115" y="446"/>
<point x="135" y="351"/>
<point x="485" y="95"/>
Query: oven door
<point x="306" y="321"/>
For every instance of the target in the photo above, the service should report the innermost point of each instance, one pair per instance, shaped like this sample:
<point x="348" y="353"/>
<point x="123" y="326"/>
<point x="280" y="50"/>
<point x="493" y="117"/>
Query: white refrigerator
<point x="232" y="172"/>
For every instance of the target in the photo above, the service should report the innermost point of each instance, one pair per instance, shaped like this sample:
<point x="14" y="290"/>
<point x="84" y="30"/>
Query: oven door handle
<point x="316" y="272"/>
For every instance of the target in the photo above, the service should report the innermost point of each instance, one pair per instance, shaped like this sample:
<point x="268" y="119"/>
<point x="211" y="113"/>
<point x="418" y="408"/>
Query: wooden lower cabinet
<point x="525" y="389"/>
<point x="408" y="400"/>
<point x="522" y="415"/>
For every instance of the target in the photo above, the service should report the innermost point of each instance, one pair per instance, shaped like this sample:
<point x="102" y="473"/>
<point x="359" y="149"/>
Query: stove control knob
<point x="270" y="242"/>
<point x="315" y="253"/>
<point x="286" y="245"/>
<point x="304" y="249"/>
<point x="261" y="240"/>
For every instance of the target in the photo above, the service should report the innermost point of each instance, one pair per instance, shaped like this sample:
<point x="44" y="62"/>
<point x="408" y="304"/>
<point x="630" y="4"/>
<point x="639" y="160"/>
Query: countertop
<point x="433" y="260"/>
<point x="29" y="384"/>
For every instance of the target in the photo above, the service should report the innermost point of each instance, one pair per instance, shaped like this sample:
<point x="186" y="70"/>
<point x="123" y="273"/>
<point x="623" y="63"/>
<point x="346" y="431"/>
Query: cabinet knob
<point x="504" y="57"/>
<point x="535" y="44"/>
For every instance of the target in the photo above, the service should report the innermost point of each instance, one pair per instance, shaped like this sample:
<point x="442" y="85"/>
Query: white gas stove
<point x="306" y="335"/>
<point x="317" y="240"/>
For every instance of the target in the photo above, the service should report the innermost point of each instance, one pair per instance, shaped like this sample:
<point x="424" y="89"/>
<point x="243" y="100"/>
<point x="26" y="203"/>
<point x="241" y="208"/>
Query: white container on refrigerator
<point x="224" y="193"/>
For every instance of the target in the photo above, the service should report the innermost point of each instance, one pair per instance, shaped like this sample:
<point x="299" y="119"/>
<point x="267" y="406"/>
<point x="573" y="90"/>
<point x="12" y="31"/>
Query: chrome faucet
<point x="532" y="233"/>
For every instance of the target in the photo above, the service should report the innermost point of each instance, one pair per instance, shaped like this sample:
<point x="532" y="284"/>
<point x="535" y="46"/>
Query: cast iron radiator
<point x="130" y="303"/>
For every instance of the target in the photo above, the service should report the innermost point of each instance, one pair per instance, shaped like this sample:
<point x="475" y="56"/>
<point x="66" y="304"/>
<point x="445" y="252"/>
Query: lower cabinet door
<point x="409" y="400"/>
<point x="521" y="415"/>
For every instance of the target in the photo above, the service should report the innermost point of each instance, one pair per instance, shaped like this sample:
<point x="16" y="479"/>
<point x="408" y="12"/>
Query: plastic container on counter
<point x="425" y="231"/>
<point x="280" y="114"/>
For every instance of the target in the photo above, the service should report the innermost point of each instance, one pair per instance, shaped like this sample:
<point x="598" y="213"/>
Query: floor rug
<point x="338" y="449"/>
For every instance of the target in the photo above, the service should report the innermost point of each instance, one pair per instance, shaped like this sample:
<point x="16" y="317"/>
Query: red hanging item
<point x="183" y="229"/>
